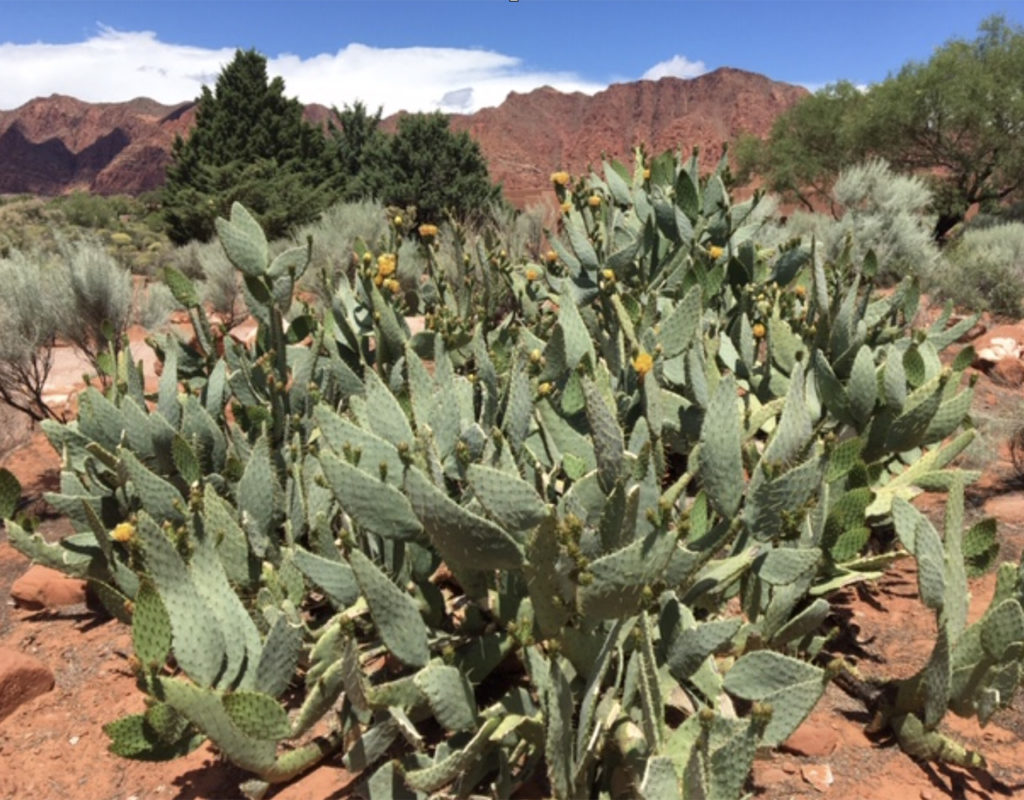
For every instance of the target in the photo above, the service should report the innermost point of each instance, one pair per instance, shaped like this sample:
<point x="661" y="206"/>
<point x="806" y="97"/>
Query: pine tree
<point x="436" y="170"/>
<point x="251" y="144"/>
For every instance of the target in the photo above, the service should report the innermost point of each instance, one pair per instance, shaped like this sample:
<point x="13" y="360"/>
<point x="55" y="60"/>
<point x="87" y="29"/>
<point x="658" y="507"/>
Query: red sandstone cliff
<point x="56" y="144"/>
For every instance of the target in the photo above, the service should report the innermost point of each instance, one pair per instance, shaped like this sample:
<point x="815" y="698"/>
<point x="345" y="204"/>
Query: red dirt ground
<point x="53" y="746"/>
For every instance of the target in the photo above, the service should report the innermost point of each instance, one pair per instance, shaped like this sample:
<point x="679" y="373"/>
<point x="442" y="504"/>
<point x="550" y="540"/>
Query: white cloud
<point x="117" y="65"/>
<point x="675" y="67"/>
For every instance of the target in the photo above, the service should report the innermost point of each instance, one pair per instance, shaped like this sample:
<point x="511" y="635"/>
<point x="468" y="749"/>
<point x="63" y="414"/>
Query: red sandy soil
<point x="53" y="746"/>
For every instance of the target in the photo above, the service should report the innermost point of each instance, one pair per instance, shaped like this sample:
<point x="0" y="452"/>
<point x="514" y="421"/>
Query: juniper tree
<point x="250" y="143"/>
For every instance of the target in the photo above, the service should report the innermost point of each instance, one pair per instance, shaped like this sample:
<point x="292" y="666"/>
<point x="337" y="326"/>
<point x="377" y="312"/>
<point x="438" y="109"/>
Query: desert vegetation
<point x="485" y="506"/>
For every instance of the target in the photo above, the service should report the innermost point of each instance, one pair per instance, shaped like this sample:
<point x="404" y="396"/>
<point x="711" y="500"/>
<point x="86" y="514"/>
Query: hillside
<point x="56" y="144"/>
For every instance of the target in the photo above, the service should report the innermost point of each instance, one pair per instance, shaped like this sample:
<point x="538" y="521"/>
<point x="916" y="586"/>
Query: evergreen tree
<point x="360" y="151"/>
<point x="251" y="144"/>
<point x="434" y="169"/>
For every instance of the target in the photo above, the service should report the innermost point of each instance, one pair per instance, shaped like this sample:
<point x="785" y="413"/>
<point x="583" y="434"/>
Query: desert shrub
<point x="879" y="211"/>
<point x="335" y="235"/>
<point x="33" y="312"/>
<point x="984" y="269"/>
<point x="100" y="298"/>
<point x="152" y="305"/>
<point x="87" y="210"/>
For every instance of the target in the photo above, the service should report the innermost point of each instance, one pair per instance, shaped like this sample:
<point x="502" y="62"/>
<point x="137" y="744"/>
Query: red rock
<point x="818" y="775"/>
<point x="769" y="777"/>
<point x="1008" y="371"/>
<point x="22" y="678"/>
<point x="51" y="145"/>
<point x="42" y="587"/>
<point x="812" y="739"/>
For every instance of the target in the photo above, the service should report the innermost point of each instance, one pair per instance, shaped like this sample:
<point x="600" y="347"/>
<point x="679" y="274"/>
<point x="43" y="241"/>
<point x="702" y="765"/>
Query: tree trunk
<point x="943" y="224"/>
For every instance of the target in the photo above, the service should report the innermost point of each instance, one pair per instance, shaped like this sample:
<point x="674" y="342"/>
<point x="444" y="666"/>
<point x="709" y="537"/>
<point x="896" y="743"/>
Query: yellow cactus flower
<point x="532" y="273"/>
<point x="551" y="256"/>
<point x="397" y="220"/>
<point x="647" y="174"/>
<point x="594" y="200"/>
<point x="544" y="389"/>
<point x="715" y="251"/>
<point x="392" y="285"/>
<point x="759" y="330"/>
<point x="123" y="532"/>
<point x="643" y="363"/>
<point x="378" y="280"/>
<point x="799" y="291"/>
<point x="427" y="231"/>
<point x="608" y="274"/>
<point x="566" y="207"/>
<point x="386" y="264"/>
<point x="560" y="178"/>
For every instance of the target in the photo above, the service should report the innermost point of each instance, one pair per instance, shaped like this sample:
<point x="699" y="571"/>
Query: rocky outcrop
<point x="57" y="144"/>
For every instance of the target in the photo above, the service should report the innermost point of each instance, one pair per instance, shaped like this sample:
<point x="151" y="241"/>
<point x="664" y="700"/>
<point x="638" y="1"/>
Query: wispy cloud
<point x="118" y="65"/>
<point x="676" y="67"/>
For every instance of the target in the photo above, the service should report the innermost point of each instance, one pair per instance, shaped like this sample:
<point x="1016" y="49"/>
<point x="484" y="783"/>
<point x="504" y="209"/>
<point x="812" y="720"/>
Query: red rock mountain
<point x="56" y="144"/>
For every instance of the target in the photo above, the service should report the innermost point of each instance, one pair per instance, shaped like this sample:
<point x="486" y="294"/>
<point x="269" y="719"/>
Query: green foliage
<point x="808" y="146"/>
<point x="984" y="268"/>
<point x="955" y="118"/>
<point x="249" y="144"/>
<point x="631" y="476"/>
<point x="428" y="166"/>
<point x="32" y="314"/>
<point x="360" y="150"/>
<point x="877" y="211"/>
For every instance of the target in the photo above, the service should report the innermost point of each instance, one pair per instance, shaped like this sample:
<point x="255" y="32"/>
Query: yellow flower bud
<point x="551" y="256"/>
<point x="594" y="200"/>
<point x="759" y="330"/>
<point x="647" y="174"/>
<point x="715" y="251"/>
<point x="643" y="363"/>
<point x="544" y="389"/>
<point x="532" y="273"/>
<point x="427" y="231"/>
<point x="123" y="532"/>
<point x="560" y="178"/>
<point x="397" y="220"/>
<point x="799" y="291"/>
<point x="392" y="285"/>
<point x="386" y="264"/>
<point x="608" y="274"/>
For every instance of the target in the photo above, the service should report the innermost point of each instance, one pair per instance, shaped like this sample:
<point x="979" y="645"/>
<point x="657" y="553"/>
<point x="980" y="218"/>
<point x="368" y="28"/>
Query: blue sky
<point x="460" y="54"/>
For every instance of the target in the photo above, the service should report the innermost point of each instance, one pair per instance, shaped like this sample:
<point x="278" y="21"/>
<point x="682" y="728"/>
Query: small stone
<point x="814" y="740"/>
<point x="22" y="678"/>
<point x="770" y="776"/>
<point x="74" y="740"/>
<point x="1008" y="371"/>
<point x="789" y="767"/>
<point x="41" y="587"/>
<point x="818" y="775"/>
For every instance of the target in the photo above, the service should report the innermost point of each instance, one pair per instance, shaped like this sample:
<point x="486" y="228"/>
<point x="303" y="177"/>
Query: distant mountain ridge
<point x="57" y="144"/>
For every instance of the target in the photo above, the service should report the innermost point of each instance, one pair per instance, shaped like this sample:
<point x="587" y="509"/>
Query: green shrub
<point x="645" y="466"/>
<point x="100" y="300"/>
<point x="984" y="269"/>
<point x="33" y="311"/>
<point x="879" y="211"/>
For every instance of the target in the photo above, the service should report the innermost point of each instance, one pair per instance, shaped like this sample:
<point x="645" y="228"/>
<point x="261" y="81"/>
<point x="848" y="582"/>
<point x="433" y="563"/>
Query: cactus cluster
<point x="516" y="543"/>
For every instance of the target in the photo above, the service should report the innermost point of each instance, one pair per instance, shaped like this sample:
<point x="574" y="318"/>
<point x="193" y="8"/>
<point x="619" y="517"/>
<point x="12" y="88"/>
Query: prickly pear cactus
<point x="502" y="548"/>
